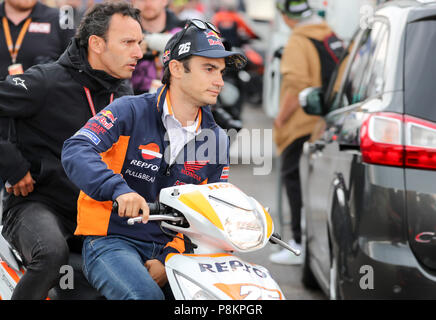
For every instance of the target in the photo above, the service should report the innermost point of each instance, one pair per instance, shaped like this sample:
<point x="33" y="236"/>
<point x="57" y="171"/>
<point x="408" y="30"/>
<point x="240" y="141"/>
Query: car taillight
<point x="420" y="143"/>
<point x="397" y="140"/>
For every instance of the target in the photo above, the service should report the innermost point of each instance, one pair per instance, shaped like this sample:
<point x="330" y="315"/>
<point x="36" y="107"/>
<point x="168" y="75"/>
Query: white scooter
<point x="219" y="219"/>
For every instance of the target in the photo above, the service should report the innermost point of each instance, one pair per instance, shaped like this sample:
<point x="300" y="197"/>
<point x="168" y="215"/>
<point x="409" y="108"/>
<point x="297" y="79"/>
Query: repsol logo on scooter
<point x="231" y="266"/>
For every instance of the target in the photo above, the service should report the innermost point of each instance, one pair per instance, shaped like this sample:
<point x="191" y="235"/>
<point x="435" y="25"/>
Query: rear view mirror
<point x="311" y="101"/>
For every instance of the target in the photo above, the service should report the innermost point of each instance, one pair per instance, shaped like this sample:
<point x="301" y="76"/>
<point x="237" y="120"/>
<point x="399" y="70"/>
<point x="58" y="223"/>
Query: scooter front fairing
<point x="219" y="276"/>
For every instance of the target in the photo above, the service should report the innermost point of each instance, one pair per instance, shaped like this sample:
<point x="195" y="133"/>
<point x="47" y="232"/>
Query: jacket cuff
<point x="121" y="189"/>
<point x="18" y="173"/>
<point x="166" y="251"/>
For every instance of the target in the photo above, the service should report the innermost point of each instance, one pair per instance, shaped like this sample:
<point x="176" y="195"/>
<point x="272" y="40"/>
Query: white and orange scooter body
<point x="11" y="270"/>
<point x="222" y="220"/>
<point x="219" y="277"/>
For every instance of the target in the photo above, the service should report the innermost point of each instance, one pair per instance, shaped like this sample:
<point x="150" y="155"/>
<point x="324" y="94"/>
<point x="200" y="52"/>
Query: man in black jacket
<point x="48" y="104"/>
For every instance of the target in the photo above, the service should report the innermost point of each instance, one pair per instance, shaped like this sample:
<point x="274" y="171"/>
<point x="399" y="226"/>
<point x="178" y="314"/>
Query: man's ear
<point x="176" y="69"/>
<point x="96" y="44"/>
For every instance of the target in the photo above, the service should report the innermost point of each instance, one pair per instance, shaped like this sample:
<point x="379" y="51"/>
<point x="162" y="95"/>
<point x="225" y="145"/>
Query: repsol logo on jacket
<point x="144" y="165"/>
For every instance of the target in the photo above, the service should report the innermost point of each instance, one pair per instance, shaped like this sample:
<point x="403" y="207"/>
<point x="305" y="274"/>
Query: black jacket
<point x="48" y="104"/>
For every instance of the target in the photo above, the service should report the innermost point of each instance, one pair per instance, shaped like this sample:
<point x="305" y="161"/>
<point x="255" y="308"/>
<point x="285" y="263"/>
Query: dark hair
<point x="166" y="77"/>
<point x="97" y="18"/>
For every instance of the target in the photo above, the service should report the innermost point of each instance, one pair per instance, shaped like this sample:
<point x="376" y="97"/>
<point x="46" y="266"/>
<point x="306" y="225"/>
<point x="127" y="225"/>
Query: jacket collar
<point x="75" y="59"/>
<point x="207" y="120"/>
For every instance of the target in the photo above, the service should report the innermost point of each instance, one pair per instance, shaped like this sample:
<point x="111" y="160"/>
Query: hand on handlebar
<point x="130" y="204"/>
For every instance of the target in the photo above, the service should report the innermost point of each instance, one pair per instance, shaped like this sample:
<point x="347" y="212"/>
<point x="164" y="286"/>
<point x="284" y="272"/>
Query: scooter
<point x="216" y="220"/>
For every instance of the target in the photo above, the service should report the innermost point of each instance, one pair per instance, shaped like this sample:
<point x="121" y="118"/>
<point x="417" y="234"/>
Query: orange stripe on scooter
<point x="269" y="223"/>
<point x="10" y="271"/>
<point x="196" y="201"/>
<point x="234" y="291"/>
<point x="213" y="255"/>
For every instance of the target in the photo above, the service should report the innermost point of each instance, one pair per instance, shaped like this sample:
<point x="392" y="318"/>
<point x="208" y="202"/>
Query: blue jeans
<point x="114" y="265"/>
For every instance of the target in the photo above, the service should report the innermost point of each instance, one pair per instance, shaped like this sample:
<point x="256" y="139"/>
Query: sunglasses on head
<point x="202" y="25"/>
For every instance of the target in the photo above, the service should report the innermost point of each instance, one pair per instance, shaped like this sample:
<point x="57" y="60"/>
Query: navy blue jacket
<point x="125" y="148"/>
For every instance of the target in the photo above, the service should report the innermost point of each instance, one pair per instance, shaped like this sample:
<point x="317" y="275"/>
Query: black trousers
<point x="290" y="172"/>
<point x="38" y="233"/>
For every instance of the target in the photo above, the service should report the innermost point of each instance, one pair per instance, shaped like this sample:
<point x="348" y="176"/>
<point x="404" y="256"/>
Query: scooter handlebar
<point x="155" y="208"/>
<point x="157" y="213"/>
<point x="276" y="239"/>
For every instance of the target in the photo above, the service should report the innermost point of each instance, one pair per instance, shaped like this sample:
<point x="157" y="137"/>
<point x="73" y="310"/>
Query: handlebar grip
<point x="155" y="207"/>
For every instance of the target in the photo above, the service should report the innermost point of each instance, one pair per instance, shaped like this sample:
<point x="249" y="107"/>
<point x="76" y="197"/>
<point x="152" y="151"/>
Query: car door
<point x="335" y="145"/>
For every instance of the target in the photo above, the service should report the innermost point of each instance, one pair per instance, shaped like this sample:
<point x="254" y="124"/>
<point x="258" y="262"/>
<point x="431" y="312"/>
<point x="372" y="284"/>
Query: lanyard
<point x="13" y="50"/>
<point x="91" y="104"/>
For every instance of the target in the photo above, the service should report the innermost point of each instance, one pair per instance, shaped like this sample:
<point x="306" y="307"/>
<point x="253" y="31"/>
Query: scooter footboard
<point x="219" y="277"/>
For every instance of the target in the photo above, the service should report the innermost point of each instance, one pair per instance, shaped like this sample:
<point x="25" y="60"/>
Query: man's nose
<point x="219" y="81"/>
<point x="137" y="53"/>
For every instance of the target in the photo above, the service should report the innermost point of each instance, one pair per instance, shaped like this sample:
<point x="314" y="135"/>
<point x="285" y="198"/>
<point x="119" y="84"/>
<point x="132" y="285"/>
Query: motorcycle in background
<point x="245" y="85"/>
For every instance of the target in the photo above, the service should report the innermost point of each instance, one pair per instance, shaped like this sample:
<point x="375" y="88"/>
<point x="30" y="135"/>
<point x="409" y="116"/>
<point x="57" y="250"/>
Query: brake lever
<point x="156" y="217"/>
<point x="276" y="239"/>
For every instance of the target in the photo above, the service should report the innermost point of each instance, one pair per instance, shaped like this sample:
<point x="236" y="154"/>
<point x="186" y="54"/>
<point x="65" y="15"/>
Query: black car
<point x="369" y="170"/>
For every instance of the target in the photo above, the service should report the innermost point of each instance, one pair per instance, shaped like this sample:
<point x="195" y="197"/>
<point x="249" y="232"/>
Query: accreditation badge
<point x="16" y="68"/>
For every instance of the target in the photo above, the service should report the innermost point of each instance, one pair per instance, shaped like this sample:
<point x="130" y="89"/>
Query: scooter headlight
<point x="192" y="290"/>
<point x="244" y="227"/>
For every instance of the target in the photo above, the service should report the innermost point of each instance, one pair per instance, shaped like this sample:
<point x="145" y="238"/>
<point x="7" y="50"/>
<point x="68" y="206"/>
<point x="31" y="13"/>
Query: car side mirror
<point x="311" y="100"/>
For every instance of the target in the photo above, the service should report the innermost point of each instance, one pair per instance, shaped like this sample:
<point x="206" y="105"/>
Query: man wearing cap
<point x="300" y="68"/>
<point x="151" y="141"/>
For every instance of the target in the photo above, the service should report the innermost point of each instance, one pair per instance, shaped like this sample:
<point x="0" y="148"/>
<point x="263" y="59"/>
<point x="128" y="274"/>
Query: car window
<point x="376" y="77"/>
<point x="420" y="70"/>
<point x="369" y="54"/>
<point x="336" y="81"/>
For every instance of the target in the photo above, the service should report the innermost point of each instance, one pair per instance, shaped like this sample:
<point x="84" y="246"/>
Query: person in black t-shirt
<point x="30" y="34"/>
